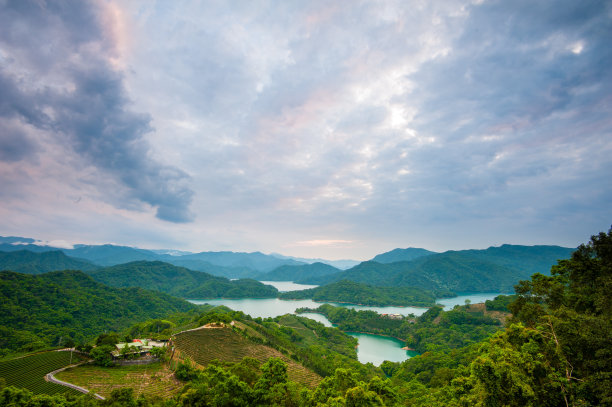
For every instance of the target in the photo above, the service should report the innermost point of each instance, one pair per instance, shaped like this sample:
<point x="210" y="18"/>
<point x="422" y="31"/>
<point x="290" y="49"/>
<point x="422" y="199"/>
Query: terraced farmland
<point x="153" y="380"/>
<point x="205" y="345"/>
<point x="29" y="371"/>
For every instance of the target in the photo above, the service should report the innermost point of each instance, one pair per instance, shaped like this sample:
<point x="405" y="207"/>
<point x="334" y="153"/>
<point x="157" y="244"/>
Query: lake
<point x="372" y="348"/>
<point x="273" y="307"/>
<point x="376" y="349"/>
<point x="284" y="286"/>
<point x="449" y="303"/>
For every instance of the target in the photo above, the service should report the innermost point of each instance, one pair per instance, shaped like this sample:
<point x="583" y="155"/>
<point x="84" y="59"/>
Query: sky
<point x="324" y="129"/>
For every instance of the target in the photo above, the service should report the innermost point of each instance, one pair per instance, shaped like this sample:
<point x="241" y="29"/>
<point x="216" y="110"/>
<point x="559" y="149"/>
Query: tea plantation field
<point x="154" y="380"/>
<point x="29" y="371"/>
<point x="205" y="345"/>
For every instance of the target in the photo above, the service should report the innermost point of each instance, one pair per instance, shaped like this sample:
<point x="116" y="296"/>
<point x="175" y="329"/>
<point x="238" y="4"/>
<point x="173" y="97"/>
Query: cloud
<point x="386" y="124"/>
<point x="67" y="88"/>
<point x="323" y="242"/>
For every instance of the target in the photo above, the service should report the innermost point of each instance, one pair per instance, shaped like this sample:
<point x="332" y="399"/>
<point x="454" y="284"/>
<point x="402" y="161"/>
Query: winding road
<point x="50" y="377"/>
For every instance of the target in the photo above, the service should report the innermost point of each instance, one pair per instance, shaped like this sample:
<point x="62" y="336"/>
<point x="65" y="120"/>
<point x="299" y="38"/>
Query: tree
<point x="102" y="355"/>
<point x="572" y="309"/>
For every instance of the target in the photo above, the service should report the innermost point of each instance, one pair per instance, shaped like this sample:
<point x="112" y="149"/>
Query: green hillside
<point x="493" y="269"/>
<point x="295" y="273"/>
<point x="396" y="255"/>
<point x="359" y="293"/>
<point x="27" y="262"/>
<point x="109" y="255"/>
<point x="206" y="345"/>
<point x="179" y="281"/>
<point x="48" y="309"/>
<point x="214" y="269"/>
<point x="255" y="261"/>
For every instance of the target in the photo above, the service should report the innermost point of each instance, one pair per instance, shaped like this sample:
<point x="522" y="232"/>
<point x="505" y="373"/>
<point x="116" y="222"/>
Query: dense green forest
<point x="555" y="350"/>
<point x="493" y="269"/>
<point x="179" y="281"/>
<point x="27" y="262"/>
<point x="69" y="306"/>
<point x="396" y="255"/>
<point x="358" y="293"/>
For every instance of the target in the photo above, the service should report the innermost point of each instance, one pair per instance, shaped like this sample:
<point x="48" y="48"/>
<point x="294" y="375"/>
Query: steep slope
<point x="206" y="345"/>
<point x="396" y="255"/>
<point x="25" y="261"/>
<point x="180" y="281"/>
<point x="45" y="309"/>
<point x="294" y="273"/>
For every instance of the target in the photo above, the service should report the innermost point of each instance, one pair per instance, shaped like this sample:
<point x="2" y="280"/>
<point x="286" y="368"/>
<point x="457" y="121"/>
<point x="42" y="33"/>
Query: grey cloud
<point x="85" y="104"/>
<point x="15" y="145"/>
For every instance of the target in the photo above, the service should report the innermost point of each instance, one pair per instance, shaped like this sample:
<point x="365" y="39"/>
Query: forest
<point x="554" y="350"/>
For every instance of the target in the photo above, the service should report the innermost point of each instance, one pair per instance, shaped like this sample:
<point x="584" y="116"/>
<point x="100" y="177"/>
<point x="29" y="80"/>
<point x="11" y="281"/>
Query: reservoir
<point x="372" y="348"/>
<point x="449" y="303"/>
<point x="273" y="307"/>
<point x="376" y="349"/>
<point x="284" y="286"/>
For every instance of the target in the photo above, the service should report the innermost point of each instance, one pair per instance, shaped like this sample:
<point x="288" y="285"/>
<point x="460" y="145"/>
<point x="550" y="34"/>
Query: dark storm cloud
<point x="58" y="79"/>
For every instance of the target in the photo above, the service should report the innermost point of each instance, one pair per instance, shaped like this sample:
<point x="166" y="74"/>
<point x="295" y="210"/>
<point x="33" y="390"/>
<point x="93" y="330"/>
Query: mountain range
<point x="493" y="269"/>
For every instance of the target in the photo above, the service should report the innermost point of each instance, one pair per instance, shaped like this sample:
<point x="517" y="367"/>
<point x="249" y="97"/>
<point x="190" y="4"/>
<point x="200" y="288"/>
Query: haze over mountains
<point x="496" y="269"/>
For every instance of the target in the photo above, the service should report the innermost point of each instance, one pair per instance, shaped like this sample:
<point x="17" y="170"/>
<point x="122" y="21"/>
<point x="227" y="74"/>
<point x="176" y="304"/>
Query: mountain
<point x="493" y="269"/>
<point x="295" y="273"/>
<point x="215" y="270"/>
<point x="364" y="294"/>
<point x="16" y="240"/>
<point x="179" y="281"/>
<point x="15" y="247"/>
<point x="41" y="310"/>
<point x="109" y="255"/>
<point x="227" y="264"/>
<point x="255" y="261"/>
<point x="396" y="255"/>
<point x="339" y="264"/>
<point x="25" y="261"/>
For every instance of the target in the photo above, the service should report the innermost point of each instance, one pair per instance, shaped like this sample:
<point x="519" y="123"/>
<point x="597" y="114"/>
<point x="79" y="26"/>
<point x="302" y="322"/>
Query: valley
<point x="240" y="331"/>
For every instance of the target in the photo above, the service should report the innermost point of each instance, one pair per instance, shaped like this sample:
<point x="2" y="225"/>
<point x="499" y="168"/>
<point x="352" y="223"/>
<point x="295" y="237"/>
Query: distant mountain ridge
<point x="27" y="262"/>
<point x="395" y="255"/>
<point x="493" y="269"/>
<point x="226" y="263"/>
<point x="339" y="264"/>
<point x="295" y="273"/>
<point x="152" y="275"/>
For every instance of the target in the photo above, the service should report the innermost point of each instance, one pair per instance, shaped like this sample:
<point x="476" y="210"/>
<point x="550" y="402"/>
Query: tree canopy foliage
<point x="47" y="309"/>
